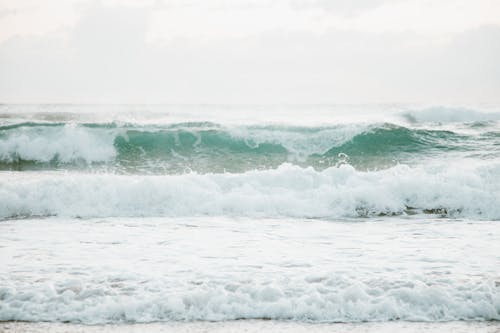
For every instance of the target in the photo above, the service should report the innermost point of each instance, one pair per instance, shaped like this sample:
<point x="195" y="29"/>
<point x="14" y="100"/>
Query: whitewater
<point x="312" y="214"/>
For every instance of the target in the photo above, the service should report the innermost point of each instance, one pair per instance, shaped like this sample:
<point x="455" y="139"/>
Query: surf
<point x="471" y="191"/>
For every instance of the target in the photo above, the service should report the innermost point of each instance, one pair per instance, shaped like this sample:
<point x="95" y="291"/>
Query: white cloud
<point x="31" y="17"/>
<point x="219" y="19"/>
<point x="342" y="7"/>
<point x="208" y="22"/>
<point x="250" y="52"/>
<point x="216" y="20"/>
<point x="426" y="16"/>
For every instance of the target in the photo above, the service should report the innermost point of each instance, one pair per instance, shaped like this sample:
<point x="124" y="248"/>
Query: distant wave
<point x="444" y="114"/>
<point x="453" y="191"/>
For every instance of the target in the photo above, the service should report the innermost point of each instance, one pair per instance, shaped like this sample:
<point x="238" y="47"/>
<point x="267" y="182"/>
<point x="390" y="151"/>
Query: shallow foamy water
<point x="159" y="269"/>
<point x="258" y="326"/>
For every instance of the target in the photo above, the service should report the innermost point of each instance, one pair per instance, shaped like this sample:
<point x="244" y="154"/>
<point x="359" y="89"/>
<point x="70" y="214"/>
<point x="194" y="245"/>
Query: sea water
<point x="314" y="214"/>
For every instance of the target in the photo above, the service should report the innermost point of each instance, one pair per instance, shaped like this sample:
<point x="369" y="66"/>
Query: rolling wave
<point x="210" y="147"/>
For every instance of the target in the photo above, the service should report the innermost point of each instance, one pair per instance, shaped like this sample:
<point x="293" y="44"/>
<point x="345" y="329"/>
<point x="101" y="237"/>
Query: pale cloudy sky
<point x="250" y="51"/>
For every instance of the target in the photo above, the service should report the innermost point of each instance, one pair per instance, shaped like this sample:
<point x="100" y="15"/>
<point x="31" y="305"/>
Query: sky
<point x="250" y="51"/>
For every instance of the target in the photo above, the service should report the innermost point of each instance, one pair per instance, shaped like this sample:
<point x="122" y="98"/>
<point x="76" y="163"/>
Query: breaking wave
<point x="329" y="298"/>
<point x="210" y="147"/>
<point x="288" y="191"/>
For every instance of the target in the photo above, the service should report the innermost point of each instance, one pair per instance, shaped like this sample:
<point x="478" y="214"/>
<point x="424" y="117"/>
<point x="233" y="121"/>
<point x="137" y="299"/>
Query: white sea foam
<point x="298" y="142"/>
<point x="145" y="270"/>
<point x="69" y="143"/>
<point x="457" y="190"/>
<point x="333" y="299"/>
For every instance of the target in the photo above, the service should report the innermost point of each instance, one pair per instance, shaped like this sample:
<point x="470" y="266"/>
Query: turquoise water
<point x="206" y="147"/>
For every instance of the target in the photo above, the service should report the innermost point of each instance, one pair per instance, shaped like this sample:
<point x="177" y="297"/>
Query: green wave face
<point x="208" y="147"/>
<point x="390" y="144"/>
<point x="201" y="150"/>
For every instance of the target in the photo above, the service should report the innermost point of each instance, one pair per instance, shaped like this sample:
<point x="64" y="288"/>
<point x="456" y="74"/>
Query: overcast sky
<point x="243" y="51"/>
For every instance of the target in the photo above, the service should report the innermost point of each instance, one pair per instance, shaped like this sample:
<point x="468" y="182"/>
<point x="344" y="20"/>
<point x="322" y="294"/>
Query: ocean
<point x="310" y="215"/>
